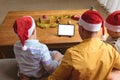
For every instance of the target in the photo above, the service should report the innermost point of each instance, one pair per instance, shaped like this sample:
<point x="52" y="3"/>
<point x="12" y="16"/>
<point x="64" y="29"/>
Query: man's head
<point x="112" y="24"/>
<point x="24" y="28"/>
<point x="91" y="21"/>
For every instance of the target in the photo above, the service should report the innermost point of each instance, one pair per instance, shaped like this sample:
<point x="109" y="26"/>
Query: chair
<point x="8" y="69"/>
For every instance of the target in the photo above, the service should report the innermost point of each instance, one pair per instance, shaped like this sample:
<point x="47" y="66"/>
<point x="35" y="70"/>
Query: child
<point x="113" y="29"/>
<point x="34" y="58"/>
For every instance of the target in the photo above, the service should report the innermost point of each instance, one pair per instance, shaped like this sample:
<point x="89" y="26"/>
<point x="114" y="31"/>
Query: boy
<point x="34" y="58"/>
<point x="113" y="29"/>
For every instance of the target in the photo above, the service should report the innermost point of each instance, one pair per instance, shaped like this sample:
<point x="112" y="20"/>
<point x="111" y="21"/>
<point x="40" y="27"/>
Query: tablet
<point x="66" y="30"/>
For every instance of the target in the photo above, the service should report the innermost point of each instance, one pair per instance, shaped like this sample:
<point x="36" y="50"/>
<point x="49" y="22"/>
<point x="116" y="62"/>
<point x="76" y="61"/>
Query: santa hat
<point x="113" y="21"/>
<point x="24" y="27"/>
<point x="92" y="21"/>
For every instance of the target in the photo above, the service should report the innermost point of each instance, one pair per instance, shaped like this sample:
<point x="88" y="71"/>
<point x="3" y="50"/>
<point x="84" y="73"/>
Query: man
<point x="92" y="59"/>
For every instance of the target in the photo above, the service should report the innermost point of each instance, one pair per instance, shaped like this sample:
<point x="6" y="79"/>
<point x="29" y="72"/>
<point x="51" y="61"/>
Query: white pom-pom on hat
<point x="103" y="37"/>
<point x="24" y="48"/>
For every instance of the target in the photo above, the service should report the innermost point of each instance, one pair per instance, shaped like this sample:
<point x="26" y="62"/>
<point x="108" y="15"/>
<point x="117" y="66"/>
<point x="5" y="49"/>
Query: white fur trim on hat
<point x="89" y="26"/>
<point x="112" y="27"/>
<point x="30" y="31"/>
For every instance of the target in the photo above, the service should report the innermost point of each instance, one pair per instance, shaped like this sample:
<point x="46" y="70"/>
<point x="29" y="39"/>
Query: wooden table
<point x="47" y="36"/>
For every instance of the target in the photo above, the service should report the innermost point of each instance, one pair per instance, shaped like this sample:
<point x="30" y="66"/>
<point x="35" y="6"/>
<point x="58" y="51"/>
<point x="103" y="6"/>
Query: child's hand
<point x="114" y="75"/>
<point x="58" y="56"/>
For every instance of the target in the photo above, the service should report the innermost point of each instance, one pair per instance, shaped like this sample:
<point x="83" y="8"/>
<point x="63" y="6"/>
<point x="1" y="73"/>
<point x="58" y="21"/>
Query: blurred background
<point x="16" y="5"/>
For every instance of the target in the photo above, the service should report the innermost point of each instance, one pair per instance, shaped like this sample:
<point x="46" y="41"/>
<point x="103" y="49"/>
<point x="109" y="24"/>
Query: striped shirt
<point x="36" y="61"/>
<point x="114" y="42"/>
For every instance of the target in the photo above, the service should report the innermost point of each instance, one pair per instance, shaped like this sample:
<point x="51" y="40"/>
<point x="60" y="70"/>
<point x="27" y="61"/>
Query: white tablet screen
<point x="66" y="30"/>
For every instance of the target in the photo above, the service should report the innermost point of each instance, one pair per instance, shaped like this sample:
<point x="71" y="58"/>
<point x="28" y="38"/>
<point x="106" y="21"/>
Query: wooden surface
<point x="47" y="36"/>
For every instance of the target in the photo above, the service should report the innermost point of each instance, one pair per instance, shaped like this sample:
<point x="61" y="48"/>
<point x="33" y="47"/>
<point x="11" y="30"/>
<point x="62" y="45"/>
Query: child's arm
<point x="49" y="64"/>
<point x="58" y="56"/>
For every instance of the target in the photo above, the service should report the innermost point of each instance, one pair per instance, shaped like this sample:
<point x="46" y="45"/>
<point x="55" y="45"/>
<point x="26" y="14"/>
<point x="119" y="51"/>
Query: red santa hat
<point x="92" y="21"/>
<point x="24" y="27"/>
<point x="113" y="21"/>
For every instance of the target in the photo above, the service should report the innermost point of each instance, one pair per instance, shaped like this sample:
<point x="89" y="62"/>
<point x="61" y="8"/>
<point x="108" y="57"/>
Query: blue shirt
<point x="36" y="60"/>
